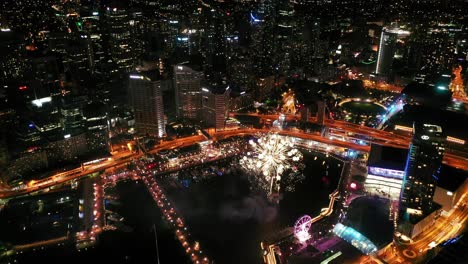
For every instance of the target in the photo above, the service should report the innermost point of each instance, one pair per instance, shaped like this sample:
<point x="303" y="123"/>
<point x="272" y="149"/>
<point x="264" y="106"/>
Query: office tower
<point x="79" y="60"/>
<point x="287" y="32"/>
<point x="424" y="160"/>
<point x="97" y="134"/>
<point x="187" y="83"/>
<point x="215" y="107"/>
<point x="215" y="27"/>
<point x="147" y="102"/>
<point x="46" y="71"/>
<point x="388" y="48"/>
<point x="263" y="39"/>
<point x="119" y="38"/>
<point x="166" y="37"/>
<point x="92" y="25"/>
<point x="72" y="114"/>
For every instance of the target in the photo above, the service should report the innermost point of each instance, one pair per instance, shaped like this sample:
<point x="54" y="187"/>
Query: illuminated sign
<point x="41" y="101"/>
<point x="435" y="128"/>
<point x="136" y="77"/>
<point x="425" y="137"/>
<point x="254" y="19"/>
<point x="387" y="172"/>
<point x="94" y="161"/>
<point x="413" y="211"/>
<point x="456" y="140"/>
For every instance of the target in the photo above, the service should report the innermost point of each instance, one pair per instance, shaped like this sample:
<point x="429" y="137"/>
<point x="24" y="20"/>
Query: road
<point x="119" y="158"/>
<point x="457" y="160"/>
<point x="444" y="228"/>
<point x="453" y="158"/>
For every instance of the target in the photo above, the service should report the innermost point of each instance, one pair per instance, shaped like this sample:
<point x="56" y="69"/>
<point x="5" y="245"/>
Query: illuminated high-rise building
<point x="92" y="25"/>
<point x="388" y="48"/>
<point x="421" y="172"/>
<point x="187" y="83"/>
<point x="287" y="30"/>
<point x="147" y="102"/>
<point x="263" y="38"/>
<point x="213" y="41"/>
<point x="120" y="38"/>
<point x="215" y="107"/>
<point x="97" y="133"/>
<point x="71" y="110"/>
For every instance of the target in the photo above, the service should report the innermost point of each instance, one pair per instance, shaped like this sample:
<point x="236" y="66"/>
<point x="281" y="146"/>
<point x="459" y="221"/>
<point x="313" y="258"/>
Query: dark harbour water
<point x="222" y="213"/>
<point x="138" y="246"/>
<point x="229" y="220"/>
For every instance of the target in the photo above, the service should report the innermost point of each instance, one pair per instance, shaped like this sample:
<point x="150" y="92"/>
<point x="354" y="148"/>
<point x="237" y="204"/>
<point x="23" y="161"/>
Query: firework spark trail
<point x="271" y="156"/>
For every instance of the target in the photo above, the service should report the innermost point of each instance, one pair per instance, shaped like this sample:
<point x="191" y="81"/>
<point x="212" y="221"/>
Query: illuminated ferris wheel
<point x="302" y="227"/>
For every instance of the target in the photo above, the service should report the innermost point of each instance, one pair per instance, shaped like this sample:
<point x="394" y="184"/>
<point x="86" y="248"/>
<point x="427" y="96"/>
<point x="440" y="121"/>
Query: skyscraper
<point x="215" y="106"/>
<point x="424" y="160"/>
<point x="147" y="102"/>
<point x="187" y="83"/>
<point x="387" y="48"/>
<point x="120" y="38"/>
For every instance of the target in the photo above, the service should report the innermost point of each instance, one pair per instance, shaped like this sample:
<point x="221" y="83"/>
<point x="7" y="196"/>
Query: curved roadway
<point x="451" y="158"/>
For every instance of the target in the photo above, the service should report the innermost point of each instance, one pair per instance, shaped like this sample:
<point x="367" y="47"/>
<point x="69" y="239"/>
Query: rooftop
<point x="450" y="178"/>
<point x="387" y="157"/>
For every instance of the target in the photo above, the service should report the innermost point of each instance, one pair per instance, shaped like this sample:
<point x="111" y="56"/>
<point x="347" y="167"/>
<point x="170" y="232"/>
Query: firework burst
<point x="269" y="160"/>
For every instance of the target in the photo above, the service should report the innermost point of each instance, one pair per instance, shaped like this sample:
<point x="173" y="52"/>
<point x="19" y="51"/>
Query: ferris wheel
<point x="302" y="227"/>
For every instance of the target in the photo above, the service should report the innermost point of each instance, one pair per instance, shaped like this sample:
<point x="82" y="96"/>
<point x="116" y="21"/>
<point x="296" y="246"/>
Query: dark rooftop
<point x="387" y="157"/>
<point x="454" y="124"/>
<point x="450" y="178"/>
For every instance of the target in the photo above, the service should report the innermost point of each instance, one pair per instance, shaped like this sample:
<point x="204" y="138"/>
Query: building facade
<point x="147" y="102"/>
<point x="388" y="48"/>
<point x="417" y="207"/>
<point x="187" y="83"/>
<point x="385" y="171"/>
<point x="215" y="107"/>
